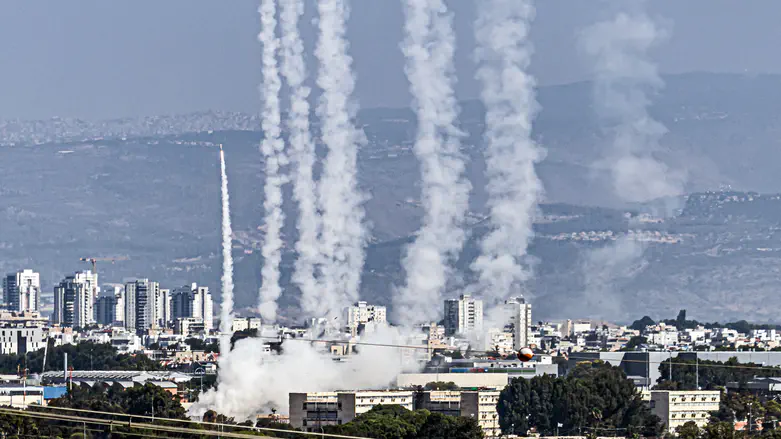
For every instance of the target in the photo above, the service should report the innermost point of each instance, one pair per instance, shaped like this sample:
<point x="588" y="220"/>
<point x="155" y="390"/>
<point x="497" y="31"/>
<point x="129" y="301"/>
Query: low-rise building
<point x="20" y="340"/>
<point x="312" y="411"/>
<point x="245" y="323"/>
<point x="676" y="408"/>
<point x="20" y="396"/>
<point x="482" y="406"/>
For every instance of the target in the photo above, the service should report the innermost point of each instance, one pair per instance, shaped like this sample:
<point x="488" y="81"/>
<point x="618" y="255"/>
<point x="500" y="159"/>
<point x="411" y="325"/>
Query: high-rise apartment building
<point x="22" y="291"/>
<point x="520" y="314"/>
<point x="141" y="305"/>
<point x="106" y="310"/>
<point x="192" y="301"/>
<point x="463" y="315"/>
<point x="74" y="300"/>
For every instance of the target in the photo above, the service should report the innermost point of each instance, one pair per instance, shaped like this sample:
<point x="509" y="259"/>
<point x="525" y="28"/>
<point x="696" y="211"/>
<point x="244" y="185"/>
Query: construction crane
<point x="94" y="261"/>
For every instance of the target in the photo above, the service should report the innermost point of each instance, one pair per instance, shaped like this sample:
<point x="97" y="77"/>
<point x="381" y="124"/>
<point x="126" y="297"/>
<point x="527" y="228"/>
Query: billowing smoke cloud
<point x="302" y="154"/>
<point x="342" y="235"/>
<point x="604" y="271"/>
<point x="226" y="309"/>
<point x="625" y="80"/>
<point x="273" y="150"/>
<point x="429" y="46"/>
<point x="300" y="367"/>
<point x="504" y="54"/>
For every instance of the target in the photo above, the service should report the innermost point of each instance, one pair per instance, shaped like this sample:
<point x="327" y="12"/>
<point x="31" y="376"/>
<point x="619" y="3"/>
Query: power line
<point x="574" y="357"/>
<point x="129" y="424"/>
<point x="190" y="421"/>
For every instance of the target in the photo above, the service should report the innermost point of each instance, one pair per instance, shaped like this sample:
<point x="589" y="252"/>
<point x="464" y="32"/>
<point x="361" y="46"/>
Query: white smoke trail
<point x="428" y="47"/>
<point x="504" y="54"/>
<point x="342" y="235"/>
<point x="302" y="154"/>
<point x="273" y="150"/>
<point x="226" y="309"/>
<point x="625" y="79"/>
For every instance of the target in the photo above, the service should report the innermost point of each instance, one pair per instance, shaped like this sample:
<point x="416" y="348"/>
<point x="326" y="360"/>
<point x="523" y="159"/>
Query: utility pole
<point x="697" y="370"/>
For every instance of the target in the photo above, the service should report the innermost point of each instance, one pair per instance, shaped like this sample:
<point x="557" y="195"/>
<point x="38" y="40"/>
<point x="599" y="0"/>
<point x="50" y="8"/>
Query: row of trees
<point x="82" y="356"/>
<point x="396" y="422"/>
<point x="106" y="402"/>
<point x="681" y="323"/>
<point x="593" y="398"/>
<point x="709" y="375"/>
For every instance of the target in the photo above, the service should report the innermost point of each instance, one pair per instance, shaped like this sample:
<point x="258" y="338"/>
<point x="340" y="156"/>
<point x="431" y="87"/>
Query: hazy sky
<point x="99" y="59"/>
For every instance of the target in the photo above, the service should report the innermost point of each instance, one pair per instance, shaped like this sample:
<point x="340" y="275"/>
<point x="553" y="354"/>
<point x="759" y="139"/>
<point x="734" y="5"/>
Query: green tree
<point x="441" y="385"/>
<point x="396" y="422"/>
<point x="711" y="375"/>
<point x="689" y="430"/>
<point x="639" y="325"/>
<point x="720" y="430"/>
<point x="634" y="342"/>
<point x="593" y="395"/>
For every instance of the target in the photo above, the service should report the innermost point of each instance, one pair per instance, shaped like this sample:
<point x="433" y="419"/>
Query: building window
<point x="304" y="407"/>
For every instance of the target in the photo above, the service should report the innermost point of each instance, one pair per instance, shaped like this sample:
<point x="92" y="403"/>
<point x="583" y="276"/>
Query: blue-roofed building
<point x="52" y="392"/>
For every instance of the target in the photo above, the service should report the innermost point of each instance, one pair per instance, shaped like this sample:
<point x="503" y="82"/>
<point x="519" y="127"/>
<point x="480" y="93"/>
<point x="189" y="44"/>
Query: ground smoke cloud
<point x="504" y="54"/>
<point x="301" y="367"/>
<point x="273" y="150"/>
<point x="429" y="46"/>
<point x="302" y="154"/>
<point x="226" y="309"/>
<point x="604" y="270"/>
<point x="625" y="79"/>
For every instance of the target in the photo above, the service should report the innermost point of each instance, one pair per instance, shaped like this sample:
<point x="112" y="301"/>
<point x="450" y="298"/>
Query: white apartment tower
<point x="463" y="315"/>
<point x="205" y="306"/>
<point x="22" y="291"/>
<point x="521" y="319"/>
<point x="362" y="313"/>
<point x="141" y="299"/>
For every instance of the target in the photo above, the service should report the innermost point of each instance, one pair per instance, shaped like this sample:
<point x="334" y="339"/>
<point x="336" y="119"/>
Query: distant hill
<point x="155" y="199"/>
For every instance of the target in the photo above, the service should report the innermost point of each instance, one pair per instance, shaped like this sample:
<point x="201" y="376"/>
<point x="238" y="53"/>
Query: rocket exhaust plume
<point x="302" y="154"/>
<point x="428" y="46"/>
<point x="226" y="309"/>
<point x="273" y="150"/>
<point x="342" y="234"/>
<point x="625" y="80"/>
<point x="504" y="54"/>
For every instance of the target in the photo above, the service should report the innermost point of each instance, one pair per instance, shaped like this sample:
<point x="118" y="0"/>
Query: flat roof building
<point x="676" y="408"/>
<point x="312" y="411"/>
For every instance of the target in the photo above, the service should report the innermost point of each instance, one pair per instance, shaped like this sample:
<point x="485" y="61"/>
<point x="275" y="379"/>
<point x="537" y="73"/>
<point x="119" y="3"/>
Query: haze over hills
<point x="149" y="190"/>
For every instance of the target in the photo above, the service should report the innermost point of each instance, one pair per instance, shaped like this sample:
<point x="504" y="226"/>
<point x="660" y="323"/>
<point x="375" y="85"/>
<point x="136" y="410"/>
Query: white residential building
<point x="521" y="320"/>
<point x="21" y="339"/>
<point x="312" y="411"/>
<point x="676" y="408"/>
<point x="245" y="323"/>
<point x="22" y="291"/>
<point x="141" y="299"/>
<point x="463" y="315"/>
<point x="497" y="339"/>
<point x="362" y="313"/>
